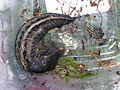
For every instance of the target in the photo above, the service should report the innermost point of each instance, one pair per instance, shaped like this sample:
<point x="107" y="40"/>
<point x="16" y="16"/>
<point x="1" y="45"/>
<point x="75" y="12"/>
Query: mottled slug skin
<point x="32" y="53"/>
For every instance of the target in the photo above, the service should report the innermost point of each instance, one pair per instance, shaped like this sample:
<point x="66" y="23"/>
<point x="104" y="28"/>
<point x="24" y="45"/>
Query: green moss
<point x="66" y="64"/>
<point x="67" y="61"/>
<point x="87" y="75"/>
<point x="67" y="78"/>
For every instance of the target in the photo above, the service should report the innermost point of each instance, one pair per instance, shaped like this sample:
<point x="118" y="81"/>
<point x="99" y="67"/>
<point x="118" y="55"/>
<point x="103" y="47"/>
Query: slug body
<point x="32" y="53"/>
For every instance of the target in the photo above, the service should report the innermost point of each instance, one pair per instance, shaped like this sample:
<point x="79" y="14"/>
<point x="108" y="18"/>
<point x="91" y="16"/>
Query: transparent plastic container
<point x="99" y="53"/>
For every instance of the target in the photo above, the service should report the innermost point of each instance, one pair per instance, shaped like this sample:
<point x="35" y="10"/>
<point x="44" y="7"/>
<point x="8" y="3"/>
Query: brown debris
<point x="81" y="67"/>
<point x="106" y="63"/>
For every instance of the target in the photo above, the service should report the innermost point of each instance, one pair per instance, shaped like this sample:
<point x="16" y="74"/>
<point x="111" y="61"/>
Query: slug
<point x="32" y="53"/>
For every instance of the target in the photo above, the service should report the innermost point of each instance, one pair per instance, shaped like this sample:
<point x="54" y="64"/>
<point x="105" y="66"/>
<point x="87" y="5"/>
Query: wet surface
<point x="81" y="46"/>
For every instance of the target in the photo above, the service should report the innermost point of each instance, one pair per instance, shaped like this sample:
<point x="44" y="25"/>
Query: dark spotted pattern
<point x="33" y="54"/>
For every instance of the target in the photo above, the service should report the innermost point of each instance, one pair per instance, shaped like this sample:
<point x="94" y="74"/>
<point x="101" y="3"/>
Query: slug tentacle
<point x="32" y="53"/>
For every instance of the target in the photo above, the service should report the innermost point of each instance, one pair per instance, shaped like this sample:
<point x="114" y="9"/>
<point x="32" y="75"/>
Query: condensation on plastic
<point x="12" y="77"/>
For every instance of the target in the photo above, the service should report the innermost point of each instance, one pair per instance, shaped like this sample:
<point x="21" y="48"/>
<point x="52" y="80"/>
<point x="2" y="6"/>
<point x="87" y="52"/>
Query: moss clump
<point x="87" y="75"/>
<point x="66" y="69"/>
<point x="67" y="61"/>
